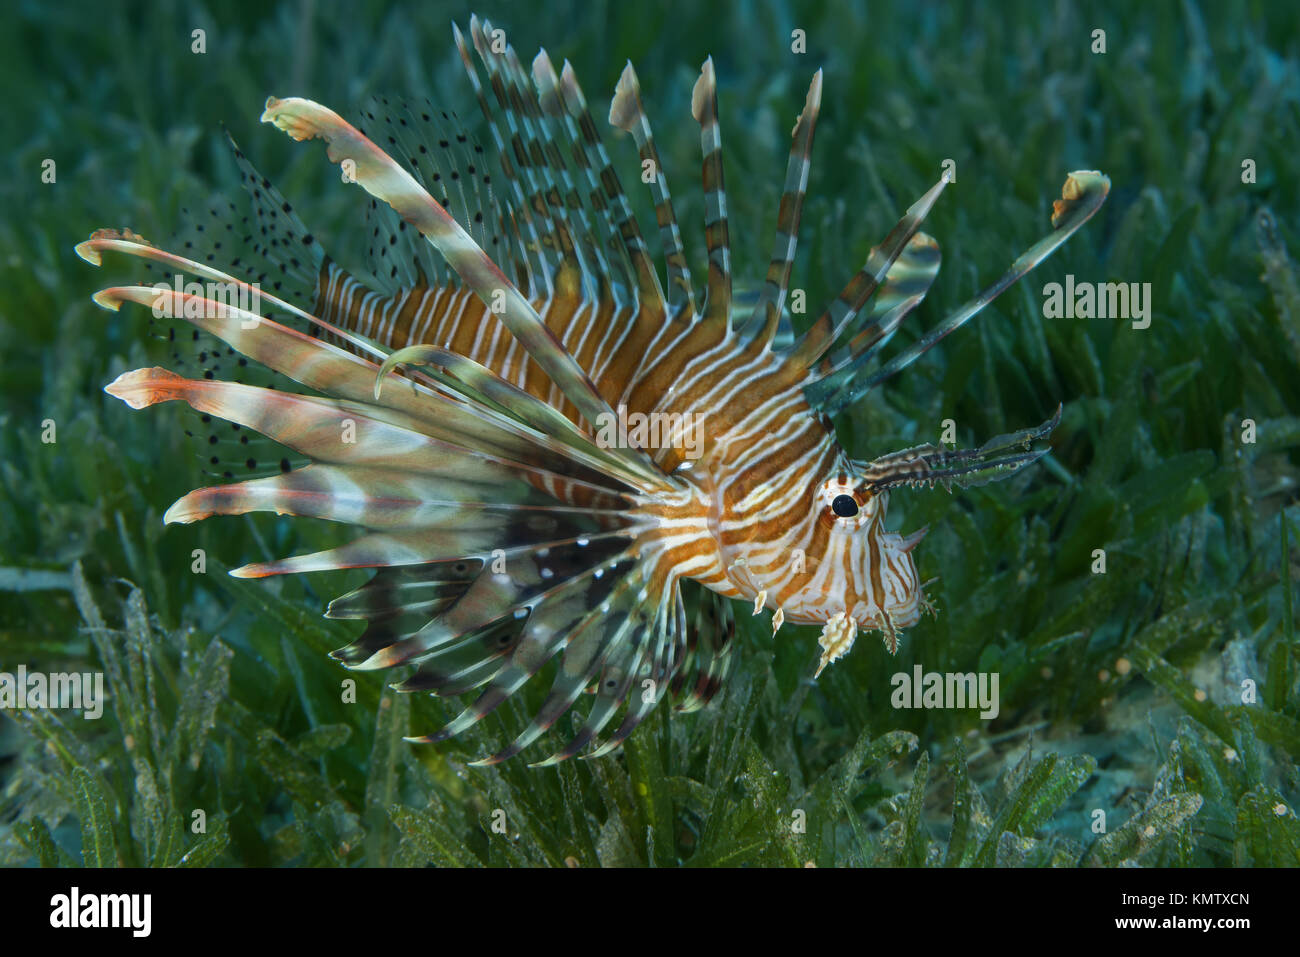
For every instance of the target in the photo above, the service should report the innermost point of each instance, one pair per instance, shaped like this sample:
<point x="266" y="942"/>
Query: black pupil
<point x="844" y="506"/>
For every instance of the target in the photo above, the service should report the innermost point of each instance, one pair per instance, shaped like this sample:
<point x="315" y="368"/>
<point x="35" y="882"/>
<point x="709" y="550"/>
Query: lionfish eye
<point x="844" y="506"/>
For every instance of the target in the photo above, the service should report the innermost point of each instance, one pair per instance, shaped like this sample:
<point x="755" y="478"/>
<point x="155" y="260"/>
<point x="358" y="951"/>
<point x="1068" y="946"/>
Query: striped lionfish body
<point x="570" y="440"/>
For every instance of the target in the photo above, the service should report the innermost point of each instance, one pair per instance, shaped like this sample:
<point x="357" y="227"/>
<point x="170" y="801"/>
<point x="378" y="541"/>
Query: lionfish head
<point x="851" y="573"/>
<point x="880" y="589"/>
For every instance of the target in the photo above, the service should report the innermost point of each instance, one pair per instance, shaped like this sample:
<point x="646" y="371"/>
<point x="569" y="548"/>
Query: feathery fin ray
<point x="376" y="172"/>
<point x="1081" y="196"/>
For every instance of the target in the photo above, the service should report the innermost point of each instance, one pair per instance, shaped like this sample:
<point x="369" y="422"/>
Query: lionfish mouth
<point x="841" y="629"/>
<point x="524" y="304"/>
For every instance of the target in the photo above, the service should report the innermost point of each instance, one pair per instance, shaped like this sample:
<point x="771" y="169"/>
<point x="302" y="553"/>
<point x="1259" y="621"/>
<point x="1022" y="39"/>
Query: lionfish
<point x="512" y="512"/>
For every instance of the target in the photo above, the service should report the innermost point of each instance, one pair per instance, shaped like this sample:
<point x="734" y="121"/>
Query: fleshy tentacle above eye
<point x="996" y="459"/>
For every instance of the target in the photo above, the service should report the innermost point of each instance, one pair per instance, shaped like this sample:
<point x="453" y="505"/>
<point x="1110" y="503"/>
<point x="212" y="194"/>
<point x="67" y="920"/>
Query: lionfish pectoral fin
<point x="623" y="680"/>
<point x="320" y="365"/>
<point x="464" y="376"/>
<point x="708" y="652"/>
<point x="606" y="630"/>
<point x="275" y="263"/>
<point x="587" y="652"/>
<point x="996" y="459"/>
<point x="649" y="671"/>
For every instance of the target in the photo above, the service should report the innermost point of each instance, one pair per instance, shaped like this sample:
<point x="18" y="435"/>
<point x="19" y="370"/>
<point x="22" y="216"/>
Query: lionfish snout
<point x="848" y="574"/>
